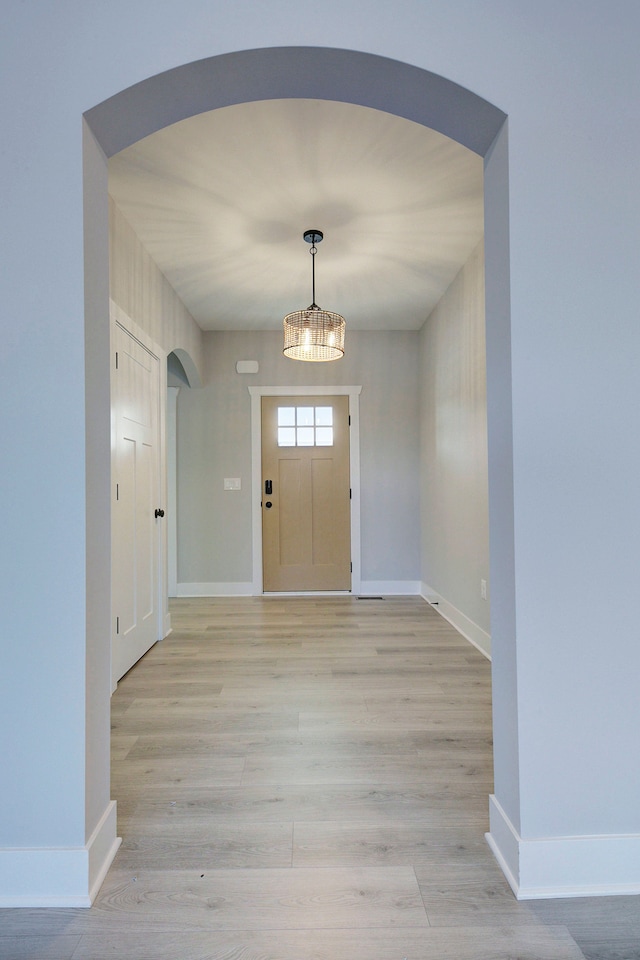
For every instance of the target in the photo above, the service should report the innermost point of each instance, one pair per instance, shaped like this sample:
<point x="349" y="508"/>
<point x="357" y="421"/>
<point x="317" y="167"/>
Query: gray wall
<point x="214" y="441"/>
<point x="454" y="490"/>
<point x="566" y="74"/>
<point x="139" y="288"/>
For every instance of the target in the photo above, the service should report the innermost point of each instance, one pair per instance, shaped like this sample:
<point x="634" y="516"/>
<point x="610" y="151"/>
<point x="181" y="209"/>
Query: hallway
<point x="308" y="778"/>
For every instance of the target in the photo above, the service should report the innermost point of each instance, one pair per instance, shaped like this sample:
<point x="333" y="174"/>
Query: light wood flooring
<point x="308" y="779"/>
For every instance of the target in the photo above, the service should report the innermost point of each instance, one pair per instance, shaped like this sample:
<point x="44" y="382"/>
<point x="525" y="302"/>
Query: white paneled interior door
<point x="136" y="486"/>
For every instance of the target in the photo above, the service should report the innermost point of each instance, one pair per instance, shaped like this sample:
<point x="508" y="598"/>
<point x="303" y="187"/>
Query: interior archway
<point x="182" y="373"/>
<point x="180" y="363"/>
<point x="177" y="378"/>
<point x="364" y="80"/>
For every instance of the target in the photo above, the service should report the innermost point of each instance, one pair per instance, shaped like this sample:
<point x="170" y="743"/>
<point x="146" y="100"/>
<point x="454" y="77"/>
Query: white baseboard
<point x="59" y="876"/>
<point x="367" y="587"/>
<point x="469" y="630"/>
<point x="548" y="868"/>
<point x="389" y="588"/>
<point x="215" y="589"/>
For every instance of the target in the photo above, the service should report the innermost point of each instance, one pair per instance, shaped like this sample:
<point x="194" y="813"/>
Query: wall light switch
<point x="232" y="483"/>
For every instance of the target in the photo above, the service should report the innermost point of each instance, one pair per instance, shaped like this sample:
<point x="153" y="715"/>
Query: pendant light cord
<point x="313" y="252"/>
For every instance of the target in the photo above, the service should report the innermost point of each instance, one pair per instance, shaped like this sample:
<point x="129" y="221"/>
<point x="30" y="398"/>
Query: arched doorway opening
<point x="382" y="84"/>
<point x="182" y="374"/>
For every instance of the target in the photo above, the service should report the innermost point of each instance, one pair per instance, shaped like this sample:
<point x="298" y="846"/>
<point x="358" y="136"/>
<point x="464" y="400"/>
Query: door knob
<point x="159" y="513"/>
<point x="268" y="504"/>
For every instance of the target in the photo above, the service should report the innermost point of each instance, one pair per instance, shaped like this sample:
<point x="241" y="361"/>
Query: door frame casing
<point x="257" y="393"/>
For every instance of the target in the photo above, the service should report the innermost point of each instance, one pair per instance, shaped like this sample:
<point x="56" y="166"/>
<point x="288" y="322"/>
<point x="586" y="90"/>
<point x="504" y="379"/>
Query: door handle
<point x="268" y="504"/>
<point x="268" y="487"/>
<point x="159" y="513"/>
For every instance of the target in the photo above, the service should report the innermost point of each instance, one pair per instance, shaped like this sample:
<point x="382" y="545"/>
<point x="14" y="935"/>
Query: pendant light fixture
<point x="313" y="334"/>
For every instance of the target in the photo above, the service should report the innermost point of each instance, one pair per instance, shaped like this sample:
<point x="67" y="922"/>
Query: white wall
<point x="453" y="462"/>
<point x="567" y="75"/>
<point x="214" y="441"/>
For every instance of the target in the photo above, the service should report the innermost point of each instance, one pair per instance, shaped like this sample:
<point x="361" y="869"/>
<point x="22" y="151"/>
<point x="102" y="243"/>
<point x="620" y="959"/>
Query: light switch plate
<point x="232" y="483"/>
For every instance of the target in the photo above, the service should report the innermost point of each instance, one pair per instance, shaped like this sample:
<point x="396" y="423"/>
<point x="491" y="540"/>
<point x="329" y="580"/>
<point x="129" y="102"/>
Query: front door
<point x="306" y="507"/>
<point x="136" y="496"/>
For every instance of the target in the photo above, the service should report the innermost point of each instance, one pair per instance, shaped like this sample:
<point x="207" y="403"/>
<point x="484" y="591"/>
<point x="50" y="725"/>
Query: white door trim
<point x="353" y="392"/>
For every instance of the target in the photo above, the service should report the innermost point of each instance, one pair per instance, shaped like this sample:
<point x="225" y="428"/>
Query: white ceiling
<point x="221" y="201"/>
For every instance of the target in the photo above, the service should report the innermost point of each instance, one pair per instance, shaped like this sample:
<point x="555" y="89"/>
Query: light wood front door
<point x="136" y="496"/>
<point x="306" y="507"/>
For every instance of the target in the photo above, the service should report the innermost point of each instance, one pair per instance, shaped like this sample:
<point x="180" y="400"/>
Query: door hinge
<point x="349" y="419"/>
<point x="116" y="359"/>
<point x="117" y="624"/>
<point x="117" y="491"/>
<point x="351" y="565"/>
<point x="350" y="494"/>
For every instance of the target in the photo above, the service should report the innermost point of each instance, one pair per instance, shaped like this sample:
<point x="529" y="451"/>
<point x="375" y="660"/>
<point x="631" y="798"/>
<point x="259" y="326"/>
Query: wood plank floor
<point x="308" y="779"/>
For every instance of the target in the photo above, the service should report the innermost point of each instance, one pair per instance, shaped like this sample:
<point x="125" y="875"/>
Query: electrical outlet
<point x="483" y="589"/>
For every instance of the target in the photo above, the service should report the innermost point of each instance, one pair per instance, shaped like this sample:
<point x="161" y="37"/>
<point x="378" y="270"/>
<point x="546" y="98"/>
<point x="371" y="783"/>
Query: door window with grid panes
<point x="305" y="426"/>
